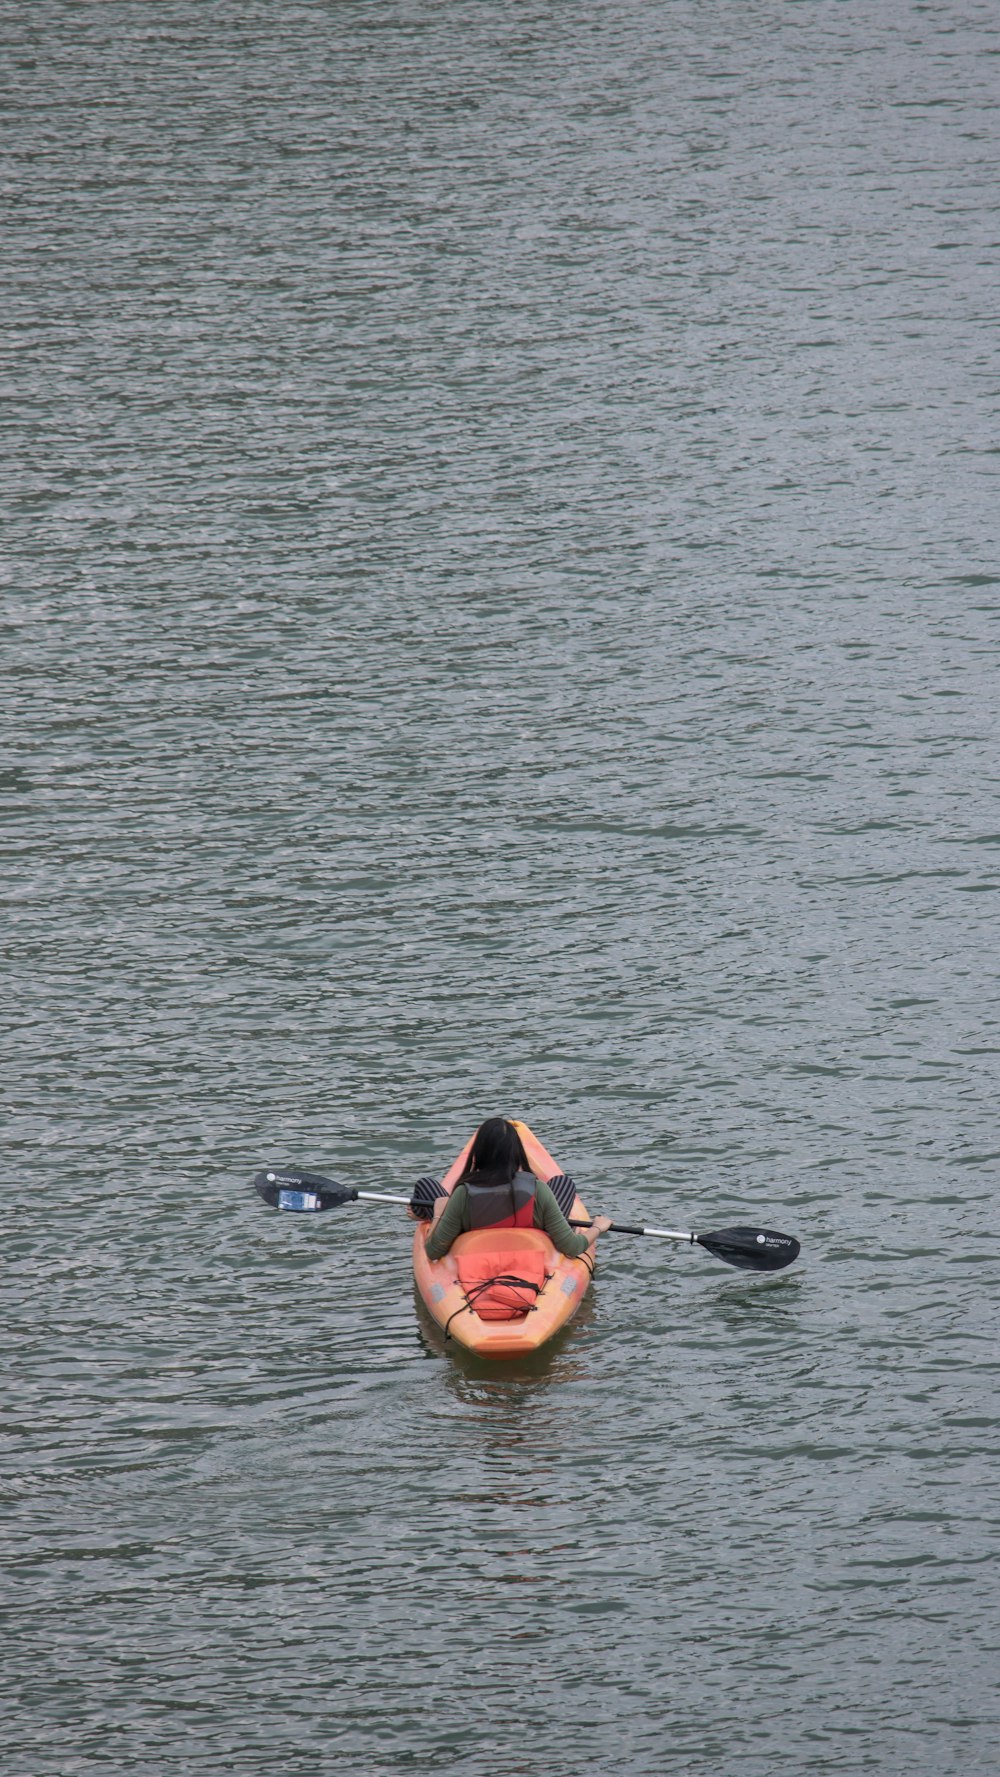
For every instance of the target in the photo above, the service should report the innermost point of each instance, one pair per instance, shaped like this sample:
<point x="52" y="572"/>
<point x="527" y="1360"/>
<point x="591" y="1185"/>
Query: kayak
<point x="502" y="1292"/>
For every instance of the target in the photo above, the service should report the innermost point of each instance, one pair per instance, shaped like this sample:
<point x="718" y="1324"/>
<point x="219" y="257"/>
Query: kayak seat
<point x="503" y="1283"/>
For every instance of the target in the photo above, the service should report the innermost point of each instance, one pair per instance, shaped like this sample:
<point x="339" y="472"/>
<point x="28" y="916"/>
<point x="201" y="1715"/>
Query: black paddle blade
<point x="301" y="1191"/>
<point x="751" y="1249"/>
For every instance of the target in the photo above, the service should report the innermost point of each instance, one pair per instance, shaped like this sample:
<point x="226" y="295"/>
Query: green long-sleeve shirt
<point x="454" y="1220"/>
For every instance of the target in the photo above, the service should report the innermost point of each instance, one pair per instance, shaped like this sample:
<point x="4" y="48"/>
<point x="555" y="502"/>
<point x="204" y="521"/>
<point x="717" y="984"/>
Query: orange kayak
<point x="452" y="1288"/>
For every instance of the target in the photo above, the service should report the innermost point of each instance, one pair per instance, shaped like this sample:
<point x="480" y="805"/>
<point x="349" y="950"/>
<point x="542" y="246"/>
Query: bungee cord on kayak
<point x="511" y="1297"/>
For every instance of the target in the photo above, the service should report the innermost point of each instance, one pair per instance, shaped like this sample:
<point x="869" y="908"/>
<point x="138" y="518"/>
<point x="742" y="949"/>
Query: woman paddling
<point x="496" y="1189"/>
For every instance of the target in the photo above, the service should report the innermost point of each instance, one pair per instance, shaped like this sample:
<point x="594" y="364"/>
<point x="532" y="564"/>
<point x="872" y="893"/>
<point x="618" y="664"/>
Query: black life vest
<point x="502" y="1206"/>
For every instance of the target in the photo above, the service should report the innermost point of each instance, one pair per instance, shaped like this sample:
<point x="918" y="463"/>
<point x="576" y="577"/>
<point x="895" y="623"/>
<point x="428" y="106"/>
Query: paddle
<point x="749" y="1249"/>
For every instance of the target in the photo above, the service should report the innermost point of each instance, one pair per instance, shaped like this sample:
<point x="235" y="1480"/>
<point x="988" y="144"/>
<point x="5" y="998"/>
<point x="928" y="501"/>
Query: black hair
<point x="497" y="1152"/>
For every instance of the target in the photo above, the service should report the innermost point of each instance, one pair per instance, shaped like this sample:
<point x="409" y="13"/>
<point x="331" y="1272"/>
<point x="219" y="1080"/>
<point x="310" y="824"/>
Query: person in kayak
<point x="497" y="1189"/>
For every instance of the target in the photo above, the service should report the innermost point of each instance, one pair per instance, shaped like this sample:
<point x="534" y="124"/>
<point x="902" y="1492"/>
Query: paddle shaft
<point x="616" y="1227"/>
<point x="658" y="1233"/>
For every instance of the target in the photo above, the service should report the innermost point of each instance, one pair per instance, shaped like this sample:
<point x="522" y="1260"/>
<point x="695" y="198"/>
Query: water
<point x="499" y="613"/>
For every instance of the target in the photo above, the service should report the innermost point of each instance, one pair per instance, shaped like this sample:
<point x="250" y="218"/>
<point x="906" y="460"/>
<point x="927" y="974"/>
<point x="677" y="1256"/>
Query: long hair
<point x="496" y="1153"/>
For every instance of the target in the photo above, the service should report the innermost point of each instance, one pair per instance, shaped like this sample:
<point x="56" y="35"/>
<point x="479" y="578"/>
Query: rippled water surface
<point x="500" y="611"/>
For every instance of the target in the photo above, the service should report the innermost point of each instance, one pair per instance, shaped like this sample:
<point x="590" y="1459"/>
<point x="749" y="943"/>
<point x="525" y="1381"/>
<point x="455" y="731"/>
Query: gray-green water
<point x="500" y="612"/>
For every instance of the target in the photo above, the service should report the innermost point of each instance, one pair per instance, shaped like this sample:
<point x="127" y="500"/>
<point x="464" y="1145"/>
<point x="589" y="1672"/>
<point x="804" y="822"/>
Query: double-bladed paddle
<point x="750" y="1249"/>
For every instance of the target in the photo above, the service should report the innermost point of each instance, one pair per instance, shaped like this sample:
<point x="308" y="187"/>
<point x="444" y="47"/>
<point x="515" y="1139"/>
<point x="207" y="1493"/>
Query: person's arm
<point x="447" y="1223"/>
<point x="549" y="1217"/>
